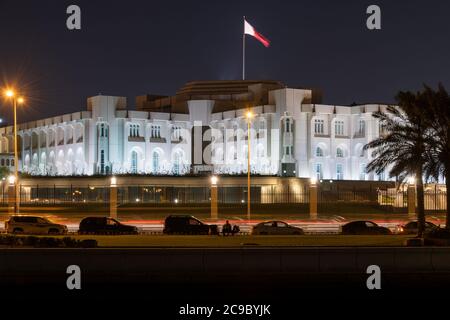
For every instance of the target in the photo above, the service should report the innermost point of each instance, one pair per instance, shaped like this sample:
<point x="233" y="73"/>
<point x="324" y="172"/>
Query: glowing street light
<point x="213" y="198"/>
<point x="249" y="116"/>
<point x="10" y="93"/>
<point x="12" y="179"/>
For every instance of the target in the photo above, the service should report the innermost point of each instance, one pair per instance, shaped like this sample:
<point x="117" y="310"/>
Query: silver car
<point x="276" y="228"/>
<point x="33" y="225"/>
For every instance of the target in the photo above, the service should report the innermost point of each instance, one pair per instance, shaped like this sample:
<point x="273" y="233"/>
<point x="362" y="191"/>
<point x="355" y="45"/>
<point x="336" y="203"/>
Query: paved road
<point x="310" y="227"/>
<point x="329" y="225"/>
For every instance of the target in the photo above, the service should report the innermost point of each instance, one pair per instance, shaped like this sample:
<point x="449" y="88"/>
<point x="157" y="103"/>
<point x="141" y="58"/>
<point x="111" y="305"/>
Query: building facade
<point x="204" y="129"/>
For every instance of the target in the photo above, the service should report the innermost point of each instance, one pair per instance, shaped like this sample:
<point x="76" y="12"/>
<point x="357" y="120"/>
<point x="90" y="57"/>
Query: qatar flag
<point x="248" y="29"/>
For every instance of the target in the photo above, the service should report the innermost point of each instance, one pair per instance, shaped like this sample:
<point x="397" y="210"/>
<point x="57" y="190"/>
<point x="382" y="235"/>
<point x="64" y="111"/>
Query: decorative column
<point x="113" y="198"/>
<point x="214" y="206"/>
<point x="313" y="196"/>
<point x="11" y="194"/>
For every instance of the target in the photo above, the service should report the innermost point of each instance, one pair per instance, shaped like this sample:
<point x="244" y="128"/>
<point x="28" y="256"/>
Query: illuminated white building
<point x="203" y="129"/>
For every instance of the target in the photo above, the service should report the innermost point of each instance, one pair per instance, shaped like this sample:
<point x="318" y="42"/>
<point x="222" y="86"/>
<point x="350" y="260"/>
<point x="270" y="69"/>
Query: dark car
<point x="104" y="225"/>
<point x="276" y="228"/>
<point x="364" y="227"/>
<point x="185" y="224"/>
<point x="412" y="227"/>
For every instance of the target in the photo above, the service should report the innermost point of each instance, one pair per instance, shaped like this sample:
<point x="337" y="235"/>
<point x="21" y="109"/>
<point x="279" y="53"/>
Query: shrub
<point x="46" y="242"/>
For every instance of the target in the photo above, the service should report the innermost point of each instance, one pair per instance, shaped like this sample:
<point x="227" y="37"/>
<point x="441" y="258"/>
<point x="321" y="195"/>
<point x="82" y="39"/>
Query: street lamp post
<point x="214" y="206"/>
<point x="16" y="100"/>
<point x="249" y="117"/>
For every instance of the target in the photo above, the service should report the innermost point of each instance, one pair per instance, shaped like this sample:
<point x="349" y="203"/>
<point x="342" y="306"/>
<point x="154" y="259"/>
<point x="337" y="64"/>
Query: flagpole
<point x="243" y="52"/>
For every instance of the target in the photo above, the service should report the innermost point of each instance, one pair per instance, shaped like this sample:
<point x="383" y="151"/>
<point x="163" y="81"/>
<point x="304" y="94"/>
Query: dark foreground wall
<point x="213" y="273"/>
<point x="221" y="261"/>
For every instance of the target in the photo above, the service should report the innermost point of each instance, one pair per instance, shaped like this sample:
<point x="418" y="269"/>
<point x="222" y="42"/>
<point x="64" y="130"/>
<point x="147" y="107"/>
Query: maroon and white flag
<point x="248" y="29"/>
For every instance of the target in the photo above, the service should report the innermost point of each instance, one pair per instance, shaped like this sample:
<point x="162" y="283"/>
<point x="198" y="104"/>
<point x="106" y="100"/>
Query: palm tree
<point x="438" y="117"/>
<point x="403" y="148"/>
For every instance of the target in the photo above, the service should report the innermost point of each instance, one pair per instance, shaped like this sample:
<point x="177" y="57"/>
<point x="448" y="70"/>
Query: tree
<point x="403" y="148"/>
<point x="438" y="117"/>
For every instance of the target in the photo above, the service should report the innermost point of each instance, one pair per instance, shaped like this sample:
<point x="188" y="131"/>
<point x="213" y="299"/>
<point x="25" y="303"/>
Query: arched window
<point x="134" y="161"/>
<point x="177" y="163"/>
<point x="288" y="125"/>
<point x="339" y="153"/>
<point x="155" y="162"/>
<point x="103" y="130"/>
<point x="319" y="152"/>
<point x="102" y="161"/>
<point x="361" y="127"/>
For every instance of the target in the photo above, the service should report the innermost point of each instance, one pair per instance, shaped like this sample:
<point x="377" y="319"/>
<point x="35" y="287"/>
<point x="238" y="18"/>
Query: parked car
<point x="105" y="225"/>
<point x="33" y="225"/>
<point x="276" y="228"/>
<point x="363" y="228"/>
<point x="412" y="227"/>
<point x="185" y="224"/>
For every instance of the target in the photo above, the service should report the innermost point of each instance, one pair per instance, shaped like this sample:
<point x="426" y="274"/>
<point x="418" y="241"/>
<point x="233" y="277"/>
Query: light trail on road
<point x="320" y="226"/>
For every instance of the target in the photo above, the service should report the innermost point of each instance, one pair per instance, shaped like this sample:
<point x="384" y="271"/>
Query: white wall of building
<point x="288" y="137"/>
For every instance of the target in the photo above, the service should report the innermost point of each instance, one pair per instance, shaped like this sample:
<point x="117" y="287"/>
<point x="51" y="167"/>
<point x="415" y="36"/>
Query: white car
<point x="33" y="225"/>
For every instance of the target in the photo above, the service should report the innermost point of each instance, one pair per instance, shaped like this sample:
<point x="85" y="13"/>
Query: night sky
<point x="132" y="47"/>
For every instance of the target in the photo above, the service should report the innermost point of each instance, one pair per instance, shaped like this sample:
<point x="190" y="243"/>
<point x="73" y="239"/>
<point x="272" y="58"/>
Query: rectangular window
<point x="318" y="171"/>
<point x="156" y="131"/>
<point x="318" y="126"/>
<point x="176" y="133"/>
<point x="339" y="172"/>
<point x="362" y="171"/>
<point x="339" y="128"/>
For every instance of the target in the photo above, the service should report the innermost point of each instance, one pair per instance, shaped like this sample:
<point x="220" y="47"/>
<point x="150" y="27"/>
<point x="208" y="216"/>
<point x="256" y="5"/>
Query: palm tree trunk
<point x="420" y="204"/>
<point x="447" y="186"/>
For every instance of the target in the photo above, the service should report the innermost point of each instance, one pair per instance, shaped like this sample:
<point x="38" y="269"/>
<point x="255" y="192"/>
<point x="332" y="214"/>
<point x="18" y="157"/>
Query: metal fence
<point x="202" y="195"/>
<point x="329" y="198"/>
<point x="57" y="195"/>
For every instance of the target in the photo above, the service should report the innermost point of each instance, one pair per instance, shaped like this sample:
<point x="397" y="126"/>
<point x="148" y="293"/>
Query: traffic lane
<point x="309" y="227"/>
